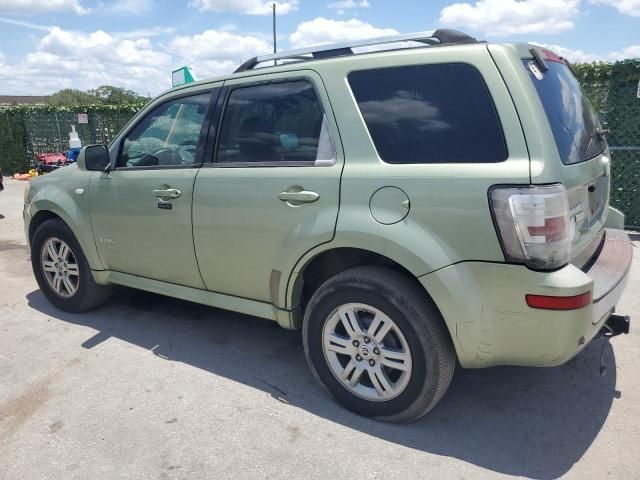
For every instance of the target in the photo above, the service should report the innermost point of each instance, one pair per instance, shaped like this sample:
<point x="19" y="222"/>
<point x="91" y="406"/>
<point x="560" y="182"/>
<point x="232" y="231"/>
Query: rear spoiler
<point x="543" y="55"/>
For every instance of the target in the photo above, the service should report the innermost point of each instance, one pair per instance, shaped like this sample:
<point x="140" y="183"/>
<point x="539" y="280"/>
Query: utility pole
<point x="275" y="50"/>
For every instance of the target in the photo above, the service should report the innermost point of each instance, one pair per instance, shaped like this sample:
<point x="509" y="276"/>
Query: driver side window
<point x="168" y="135"/>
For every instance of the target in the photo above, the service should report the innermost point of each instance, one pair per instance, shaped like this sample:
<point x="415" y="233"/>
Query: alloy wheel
<point x="367" y="352"/>
<point x="60" y="267"/>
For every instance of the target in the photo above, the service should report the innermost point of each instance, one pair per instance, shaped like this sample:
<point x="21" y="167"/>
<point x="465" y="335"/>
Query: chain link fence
<point x="613" y="89"/>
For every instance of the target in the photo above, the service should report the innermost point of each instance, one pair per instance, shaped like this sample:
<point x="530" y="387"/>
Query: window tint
<point x="278" y="122"/>
<point x="574" y="125"/>
<point x="440" y="113"/>
<point x="168" y="136"/>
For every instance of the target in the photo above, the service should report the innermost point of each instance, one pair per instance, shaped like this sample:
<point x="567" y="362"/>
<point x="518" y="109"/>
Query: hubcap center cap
<point x="365" y="351"/>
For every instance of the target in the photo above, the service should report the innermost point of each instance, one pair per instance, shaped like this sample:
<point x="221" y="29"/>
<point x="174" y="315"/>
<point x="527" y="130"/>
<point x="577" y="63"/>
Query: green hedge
<point x="612" y="89"/>
<point x="26" y="131"/>
<point x="13" y="142"/>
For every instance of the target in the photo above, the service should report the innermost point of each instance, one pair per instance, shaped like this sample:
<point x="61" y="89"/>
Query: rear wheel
<point x="62" y="271"/>
<point x="378" y="345"/>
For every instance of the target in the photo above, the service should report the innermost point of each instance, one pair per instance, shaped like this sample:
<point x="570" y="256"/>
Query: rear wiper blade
<point x="568" y="64"/>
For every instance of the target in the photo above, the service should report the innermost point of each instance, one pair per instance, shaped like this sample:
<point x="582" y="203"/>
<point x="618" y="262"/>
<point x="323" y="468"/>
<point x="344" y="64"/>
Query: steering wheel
<point x="165" y="151"/>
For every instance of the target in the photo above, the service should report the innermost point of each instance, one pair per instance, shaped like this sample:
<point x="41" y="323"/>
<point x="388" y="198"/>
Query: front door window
<point x="168" y="136"/>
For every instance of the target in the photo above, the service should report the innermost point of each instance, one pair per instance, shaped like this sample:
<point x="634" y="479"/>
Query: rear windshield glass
<point x="440" y="113"/>
<point x="573" y="122"/>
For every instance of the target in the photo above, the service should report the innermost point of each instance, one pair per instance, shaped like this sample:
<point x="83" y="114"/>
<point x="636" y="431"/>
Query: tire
<point x="415" y="360"/>
<point x="79" y="292"/>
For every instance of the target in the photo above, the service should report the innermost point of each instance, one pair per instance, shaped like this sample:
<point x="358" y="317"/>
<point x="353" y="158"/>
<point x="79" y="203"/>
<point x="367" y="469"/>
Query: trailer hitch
<point x="614" y="326"/>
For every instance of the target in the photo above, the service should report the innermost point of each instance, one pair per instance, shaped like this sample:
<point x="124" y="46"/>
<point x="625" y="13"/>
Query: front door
<point x="272" y="192"/>
<point x="141" y="210"/>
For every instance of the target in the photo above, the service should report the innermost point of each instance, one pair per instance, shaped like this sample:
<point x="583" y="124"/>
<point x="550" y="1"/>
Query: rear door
<point x="270" y="191"/>
<point x="583" y="166"/>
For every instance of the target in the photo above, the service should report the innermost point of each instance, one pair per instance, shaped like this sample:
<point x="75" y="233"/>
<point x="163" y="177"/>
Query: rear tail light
<point x="533" y="224"/>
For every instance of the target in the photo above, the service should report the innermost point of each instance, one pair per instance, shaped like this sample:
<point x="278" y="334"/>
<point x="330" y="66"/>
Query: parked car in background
<point x="408" y="209"/>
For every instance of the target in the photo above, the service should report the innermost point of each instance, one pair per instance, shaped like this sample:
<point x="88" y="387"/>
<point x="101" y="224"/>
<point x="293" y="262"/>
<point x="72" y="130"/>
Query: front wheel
<point x="62" y="271"/>
<point x="378" y="345"/>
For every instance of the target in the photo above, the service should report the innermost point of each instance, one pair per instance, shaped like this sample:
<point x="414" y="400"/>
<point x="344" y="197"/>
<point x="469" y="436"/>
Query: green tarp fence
<point x="614" y="91"/>
<point x="613" y="88"/>
<point x="26" y="131"/>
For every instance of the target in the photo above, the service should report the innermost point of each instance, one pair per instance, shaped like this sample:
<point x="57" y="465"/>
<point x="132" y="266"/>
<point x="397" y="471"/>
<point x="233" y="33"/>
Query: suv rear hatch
<point x="583" y="166"/>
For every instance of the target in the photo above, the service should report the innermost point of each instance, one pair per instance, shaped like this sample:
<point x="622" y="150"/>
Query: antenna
<point x="275" y="50"/>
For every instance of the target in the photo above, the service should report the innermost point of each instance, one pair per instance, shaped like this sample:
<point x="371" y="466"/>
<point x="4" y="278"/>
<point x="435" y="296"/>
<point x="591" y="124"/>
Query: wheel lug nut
<point x="372" y="362"/>
<point x="376" y="351"/>
<point x="356" y="343"/>
<point x="358" y="358"/>
<point x="366" y="340"/>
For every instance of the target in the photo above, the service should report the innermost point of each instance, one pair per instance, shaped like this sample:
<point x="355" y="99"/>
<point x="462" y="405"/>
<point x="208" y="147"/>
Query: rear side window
<point x="572" y="120"/>
<point x="277" y="122"/>
<point x="440" y="113"/>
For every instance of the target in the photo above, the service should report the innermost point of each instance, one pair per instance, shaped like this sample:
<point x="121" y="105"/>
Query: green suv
<point x="410" y="202"/>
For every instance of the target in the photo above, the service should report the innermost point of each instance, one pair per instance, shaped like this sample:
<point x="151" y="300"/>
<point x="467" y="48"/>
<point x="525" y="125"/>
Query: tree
<point x="115" y="95"/>
<point x="70" y="97"/>
<point x="106" y="95"/>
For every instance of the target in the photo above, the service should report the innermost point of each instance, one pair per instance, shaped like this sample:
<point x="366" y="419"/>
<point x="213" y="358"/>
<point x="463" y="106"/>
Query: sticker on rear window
<point x="535" y="70"/>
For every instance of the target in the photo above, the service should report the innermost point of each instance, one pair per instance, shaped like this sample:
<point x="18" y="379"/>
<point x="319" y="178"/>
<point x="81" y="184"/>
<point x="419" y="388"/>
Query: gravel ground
<point x="152" y="387"/>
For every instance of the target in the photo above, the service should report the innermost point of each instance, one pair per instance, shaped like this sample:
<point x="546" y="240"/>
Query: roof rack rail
<point x="437" y="37"/>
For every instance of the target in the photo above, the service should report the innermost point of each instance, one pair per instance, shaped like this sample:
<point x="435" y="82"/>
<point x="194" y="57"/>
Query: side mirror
<point x="94" y="158"/>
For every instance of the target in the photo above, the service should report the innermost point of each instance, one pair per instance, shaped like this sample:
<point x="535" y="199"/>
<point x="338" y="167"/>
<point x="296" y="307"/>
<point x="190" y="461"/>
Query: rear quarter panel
<point x="449" y="220"/>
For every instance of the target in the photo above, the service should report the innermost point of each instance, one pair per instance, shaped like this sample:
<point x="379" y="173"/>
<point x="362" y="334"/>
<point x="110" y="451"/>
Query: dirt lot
<point x="151" y="387"/>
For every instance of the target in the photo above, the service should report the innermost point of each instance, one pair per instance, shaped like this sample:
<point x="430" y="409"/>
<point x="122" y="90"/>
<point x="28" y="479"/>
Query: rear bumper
<point x="490" y="322"/>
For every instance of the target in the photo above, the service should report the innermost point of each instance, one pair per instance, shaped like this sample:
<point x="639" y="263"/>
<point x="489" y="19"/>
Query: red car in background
<point x="47" y="162"/>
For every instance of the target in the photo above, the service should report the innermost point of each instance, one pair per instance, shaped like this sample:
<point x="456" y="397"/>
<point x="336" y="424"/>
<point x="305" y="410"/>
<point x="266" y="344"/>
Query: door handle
<point x="168" y="193"/>
<point x="303" y="196"/>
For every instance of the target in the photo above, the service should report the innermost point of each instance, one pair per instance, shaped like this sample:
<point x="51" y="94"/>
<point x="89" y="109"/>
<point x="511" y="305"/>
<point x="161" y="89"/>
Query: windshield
<point x="574" y="124"/>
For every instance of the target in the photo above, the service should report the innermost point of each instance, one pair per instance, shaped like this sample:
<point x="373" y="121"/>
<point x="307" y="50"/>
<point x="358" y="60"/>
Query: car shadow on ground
<point x="520" y="421"/>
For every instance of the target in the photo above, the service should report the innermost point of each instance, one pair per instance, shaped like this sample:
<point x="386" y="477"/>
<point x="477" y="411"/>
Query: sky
<point x="48" y="45"/>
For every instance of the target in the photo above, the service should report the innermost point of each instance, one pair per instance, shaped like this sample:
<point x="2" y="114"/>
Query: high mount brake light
<point x="552" y="57"/>
<point x="533" y="224"/>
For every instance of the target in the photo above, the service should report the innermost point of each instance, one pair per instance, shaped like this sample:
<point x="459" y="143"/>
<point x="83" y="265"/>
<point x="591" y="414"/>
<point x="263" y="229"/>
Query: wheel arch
<point x="328" y="262"/>
<point x="38" y="219"/>
<point x="43" y="210"/>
